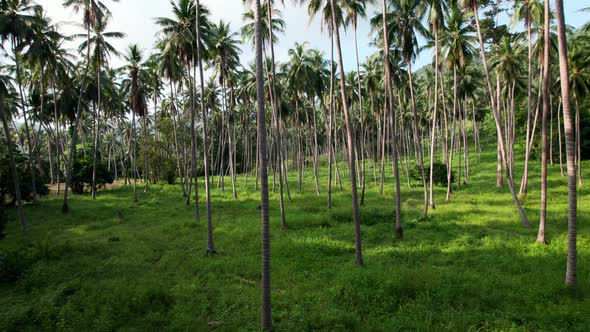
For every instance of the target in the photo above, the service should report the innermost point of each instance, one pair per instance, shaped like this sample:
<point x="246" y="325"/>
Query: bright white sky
<point x="135" y="18"/>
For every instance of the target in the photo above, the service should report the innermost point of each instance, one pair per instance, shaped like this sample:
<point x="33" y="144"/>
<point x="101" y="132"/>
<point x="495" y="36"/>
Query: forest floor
<point x="113" y="264"/>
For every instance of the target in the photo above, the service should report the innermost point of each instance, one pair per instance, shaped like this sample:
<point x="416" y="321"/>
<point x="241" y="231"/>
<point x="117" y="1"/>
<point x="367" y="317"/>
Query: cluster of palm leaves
<point x="142" y="119"/>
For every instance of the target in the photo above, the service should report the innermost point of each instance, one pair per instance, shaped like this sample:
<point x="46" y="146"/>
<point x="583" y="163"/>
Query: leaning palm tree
<point x="570" y="275"/>
<point x="473" y="6"/>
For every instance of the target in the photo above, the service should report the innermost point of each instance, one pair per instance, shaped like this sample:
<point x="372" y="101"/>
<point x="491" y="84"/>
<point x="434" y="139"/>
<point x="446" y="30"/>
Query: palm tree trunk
<point x="266" y="319"/>
<point x="559" y="137"/>
<point x="133" y="166"/>
<point x="542" y="222"/>
<point x="15" y="176"/>
<point x="210" y="242"/>
<point x="351" y="157"/>
<point x="434" y="113"/>
<point x="389" y="97"/>
<point x="31" y="159"/>
<point x="570" y="276"/>
<point x="96" y="131"/>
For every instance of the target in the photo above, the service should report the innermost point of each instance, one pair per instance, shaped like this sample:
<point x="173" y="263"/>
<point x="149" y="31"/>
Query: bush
<point x="439" y="177"/>
<point x="24" y="174"/>
<point x="82" y="175"/>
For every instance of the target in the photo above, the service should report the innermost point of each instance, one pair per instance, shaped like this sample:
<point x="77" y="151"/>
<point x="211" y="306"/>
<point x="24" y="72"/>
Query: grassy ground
<point x="112" y="264"/>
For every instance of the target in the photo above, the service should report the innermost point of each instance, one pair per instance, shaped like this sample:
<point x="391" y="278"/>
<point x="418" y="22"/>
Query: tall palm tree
<point x="8" y="102"/>
<point x="355" y="10"/>
<point x="101" y="52"/>
<point x="266" y="319"/>
<point x="473" y="6"/>
<point x="570" y="275"/>
<point x="137" y="100"/>
<point x="436" y="9"/>
<point x="456" y="39"/>
<point x="546" y="64"/>
<point x="389" y="104"/>
<point x="210" y="243"/>
<point x="18" y="24"/>
<point x="351" y="150"/>
<point x="224" y="57"/>
<point x="93" y="11"/>
<point x="530" y="12"/>
<point x="406" y="16"/>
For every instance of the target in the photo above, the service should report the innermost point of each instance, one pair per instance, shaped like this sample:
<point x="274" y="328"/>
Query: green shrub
<point x="439" y="177"/>
<point x="82" y="175"/>
<point x="24" y="174"/>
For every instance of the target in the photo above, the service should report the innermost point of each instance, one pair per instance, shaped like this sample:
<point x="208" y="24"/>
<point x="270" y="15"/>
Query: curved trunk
<point x="495" y="113"/>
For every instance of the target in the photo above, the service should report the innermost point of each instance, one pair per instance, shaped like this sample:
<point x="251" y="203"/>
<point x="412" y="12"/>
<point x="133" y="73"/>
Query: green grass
<point x="112" y="264"/>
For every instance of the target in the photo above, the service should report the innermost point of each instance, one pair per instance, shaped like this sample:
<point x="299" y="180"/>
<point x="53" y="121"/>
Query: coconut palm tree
<point x="224" y="51"/>
<point x="224" y="57"/>
<point x="406" y="19"/>
<point x="571" y="269"/>
<point x="9" y="103"/>
<point x="17" y="25"/>
<point x="436" y="10"/>
<point x="456" y="39"/>
<point x="546" y="65"/>
<point x="101" y="52"/>
<point x="137" y="99"/>
<point x="93" y="11"/>
<point x="355" y="10"/>
<point x="530" y="12"/>
<point x="350" y="141"/>
<point x="266" y="317"/>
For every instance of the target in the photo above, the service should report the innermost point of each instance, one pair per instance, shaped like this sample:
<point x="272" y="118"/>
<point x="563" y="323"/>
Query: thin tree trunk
<point x="525" y="221"/>
<point x="543" y="219"/>
<point x="351" y="157"/>
<point x="570" y="276"/>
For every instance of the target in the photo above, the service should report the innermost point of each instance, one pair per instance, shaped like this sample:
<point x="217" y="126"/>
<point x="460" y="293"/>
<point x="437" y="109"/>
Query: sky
<point x="135" y="18"/>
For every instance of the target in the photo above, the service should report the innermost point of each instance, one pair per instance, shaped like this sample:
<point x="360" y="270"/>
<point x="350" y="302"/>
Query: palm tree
<point x="546" y="64"/>
<point x="210" y="243"/>
<point x="351" y="150"/>
<point x="266" y="319"/>
<point x="93" y="12"/>
<point x="137" y="100"/>
<point x="224" y="56"/>
<point x="456" y="39"/>
<point x="406" y="16"/>
<point x="530" y="12"/>
<point x="435" y="20"/>
<point x="389" y="104"/>
<point x="570" y="275"/>
<point x="102" y="50"/>
<point x="8" y="102"/>
<point x="473" y="4"/>
<point x="356" y="9"/>
<point x="18" y="26"/>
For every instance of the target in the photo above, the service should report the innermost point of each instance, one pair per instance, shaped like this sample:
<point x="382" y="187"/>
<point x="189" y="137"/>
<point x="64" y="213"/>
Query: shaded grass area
<point x="113" y="264"/>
